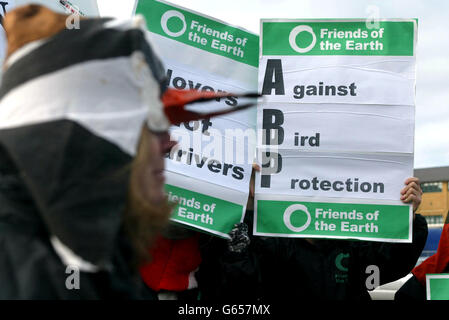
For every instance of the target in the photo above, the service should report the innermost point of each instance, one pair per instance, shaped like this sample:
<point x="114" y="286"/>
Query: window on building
<point x="432" y="186"/>
<point x="434" y="219"/>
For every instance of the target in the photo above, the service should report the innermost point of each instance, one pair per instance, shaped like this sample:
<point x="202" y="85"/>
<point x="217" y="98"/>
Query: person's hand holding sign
<point x="412" y="193"/>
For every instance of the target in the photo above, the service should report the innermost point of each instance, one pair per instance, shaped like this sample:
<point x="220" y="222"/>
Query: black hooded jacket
<point x="73" y="189"/>
<point x="63" y="184"/>
<point x="294" y="269"/>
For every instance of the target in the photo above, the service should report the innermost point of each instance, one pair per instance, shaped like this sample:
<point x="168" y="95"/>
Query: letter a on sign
<point x="274" y="78"/>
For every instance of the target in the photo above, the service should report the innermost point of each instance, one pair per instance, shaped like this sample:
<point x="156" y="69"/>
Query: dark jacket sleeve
<point x="394" y="260"/>
<point x="30" y="269"/>
<point x="411" y="290"/>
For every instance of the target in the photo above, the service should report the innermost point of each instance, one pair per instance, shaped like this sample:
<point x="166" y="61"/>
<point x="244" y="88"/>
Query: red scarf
<point x="439" y="261"/>
<point x="173" y="264"/>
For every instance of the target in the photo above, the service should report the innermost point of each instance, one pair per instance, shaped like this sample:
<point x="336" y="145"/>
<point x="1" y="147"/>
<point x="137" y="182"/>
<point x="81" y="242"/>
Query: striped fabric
<point x="103" y="76"/>
<point x="72" y="106"/>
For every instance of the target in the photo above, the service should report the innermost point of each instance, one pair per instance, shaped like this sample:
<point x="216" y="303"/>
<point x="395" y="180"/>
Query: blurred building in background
<point x="435" y="200"/>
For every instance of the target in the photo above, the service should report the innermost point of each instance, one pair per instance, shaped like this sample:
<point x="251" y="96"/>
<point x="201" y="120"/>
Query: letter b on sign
<point x="272" y="129"/>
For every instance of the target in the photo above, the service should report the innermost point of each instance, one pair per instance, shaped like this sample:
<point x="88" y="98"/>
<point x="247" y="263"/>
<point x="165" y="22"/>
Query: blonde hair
<point x="143" y="220"/>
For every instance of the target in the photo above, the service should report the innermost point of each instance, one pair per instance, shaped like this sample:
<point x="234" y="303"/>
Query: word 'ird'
<point x="313" y="141"/>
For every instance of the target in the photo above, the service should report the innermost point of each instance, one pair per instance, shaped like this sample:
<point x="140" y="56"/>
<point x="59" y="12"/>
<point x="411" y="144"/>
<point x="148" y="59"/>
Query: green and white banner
<point x="208" y="172"/>
<point x="332" y="218"/>
<point x="437" y="286"/>
<point x="335" y="128"/>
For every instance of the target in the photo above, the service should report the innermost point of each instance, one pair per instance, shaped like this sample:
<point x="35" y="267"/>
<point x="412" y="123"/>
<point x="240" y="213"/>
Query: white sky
<point x="432" y="85"/>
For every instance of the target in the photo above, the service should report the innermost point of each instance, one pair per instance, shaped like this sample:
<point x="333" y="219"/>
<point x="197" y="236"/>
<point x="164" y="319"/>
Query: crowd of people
<point x="84" y="119"/>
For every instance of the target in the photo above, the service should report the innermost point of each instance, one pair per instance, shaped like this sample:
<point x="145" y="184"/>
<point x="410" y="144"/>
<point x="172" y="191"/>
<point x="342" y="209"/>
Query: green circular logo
<point x="300" y="220"/>
<point x="173" y="23"/>
<point x="302" y="39"/>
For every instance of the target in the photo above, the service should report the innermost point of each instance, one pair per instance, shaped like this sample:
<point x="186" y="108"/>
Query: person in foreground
<point x="84" y="119"/>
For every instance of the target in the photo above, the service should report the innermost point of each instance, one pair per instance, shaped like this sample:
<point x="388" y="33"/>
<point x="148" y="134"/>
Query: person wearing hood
<point x="84" y="119"/>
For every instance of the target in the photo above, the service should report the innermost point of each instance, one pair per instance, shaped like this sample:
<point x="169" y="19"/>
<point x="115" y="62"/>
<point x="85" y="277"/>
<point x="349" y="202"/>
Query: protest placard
<point x="208" y="172"/>
<point x="437" y="286"/>
<point x="336" y="128"/>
